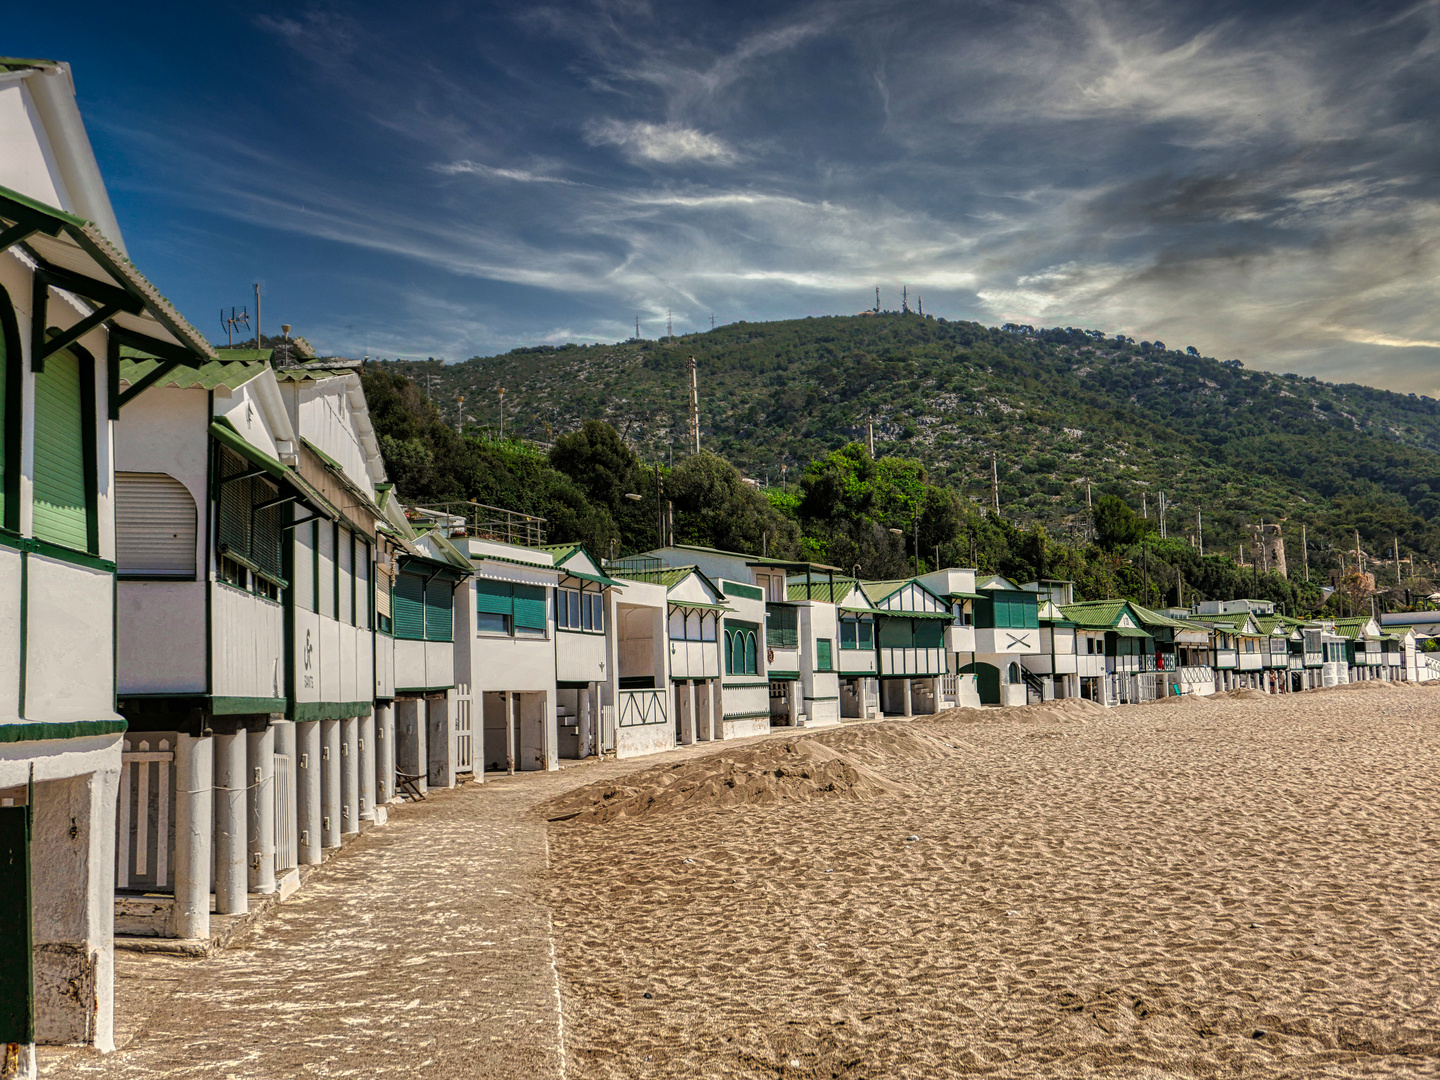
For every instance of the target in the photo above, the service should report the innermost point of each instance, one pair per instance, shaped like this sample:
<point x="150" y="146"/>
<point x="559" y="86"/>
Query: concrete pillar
<point x="194" y="806"/>
<point x="73" y="906"/>
<point x="586" y="723"/>
<point x="309" y="811"/>
<point x="350" y="775"/>
<point x="512" y="710"/>
<point x="287" y="832"/>
<point x="331" y="804"/>
<point x="384" y="753"/>
<point x="260" y="805"/>
<point x="692" y="715"/>
<point x="231" y="880"/>
<point x="909" y="704"/>
<point x="440" y="742"/>
<point x="367" y="768"/>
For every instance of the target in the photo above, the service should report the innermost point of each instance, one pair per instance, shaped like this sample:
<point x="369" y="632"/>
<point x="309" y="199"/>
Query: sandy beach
<point x="1244" y="886"/>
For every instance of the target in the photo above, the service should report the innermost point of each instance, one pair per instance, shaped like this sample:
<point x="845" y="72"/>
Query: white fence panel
<point x="286" y="856"/>
<point x="147" y="808"/>
<point x="464" y="730"/>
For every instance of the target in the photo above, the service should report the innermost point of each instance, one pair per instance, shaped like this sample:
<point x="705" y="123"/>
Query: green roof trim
<point x="41" y="731"/>
<point x="211" y="375"/>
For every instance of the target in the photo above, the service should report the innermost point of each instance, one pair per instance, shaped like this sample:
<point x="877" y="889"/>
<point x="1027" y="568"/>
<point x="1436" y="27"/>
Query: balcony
<point x="960" y="639"/>
<point x="1007" y="641"/>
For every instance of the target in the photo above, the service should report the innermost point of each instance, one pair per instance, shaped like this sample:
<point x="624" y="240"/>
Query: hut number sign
<point x="309" y="649"/>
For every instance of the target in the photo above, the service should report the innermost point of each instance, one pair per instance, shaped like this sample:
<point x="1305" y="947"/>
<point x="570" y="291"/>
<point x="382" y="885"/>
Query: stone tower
<point x="1267" y="548"/>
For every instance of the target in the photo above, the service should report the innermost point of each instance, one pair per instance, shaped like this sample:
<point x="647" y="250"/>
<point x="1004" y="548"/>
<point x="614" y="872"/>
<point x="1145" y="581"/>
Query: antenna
<point x="259" y="339"/>
<point x="694" y="408"/>
<point x="712" y="320"/>
<point x="232" y="320"/>
<point x="904" y="299"/>
<point x="877" y="299"/>
<point x="920" y="305"/>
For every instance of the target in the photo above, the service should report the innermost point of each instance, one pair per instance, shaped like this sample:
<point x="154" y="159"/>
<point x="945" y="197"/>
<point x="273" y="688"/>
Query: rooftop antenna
<point x="259" y="338"/>
<point x="232" y="320"/>
<point x="694" y="408"/>
<point x="904" y="299"/>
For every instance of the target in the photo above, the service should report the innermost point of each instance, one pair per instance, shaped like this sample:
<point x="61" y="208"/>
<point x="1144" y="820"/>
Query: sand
<point x="1238" y="887"/>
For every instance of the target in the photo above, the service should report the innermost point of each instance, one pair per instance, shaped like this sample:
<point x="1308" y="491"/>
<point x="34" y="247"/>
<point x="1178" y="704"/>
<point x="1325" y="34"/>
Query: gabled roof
<point x="1104" y="615"/>
<point x="213" y="375"/>
<point x="998" y="583"/>
<point x="880" y="591"/>
<point x="1353" y="628"/>
<point x="1147" y="617"/>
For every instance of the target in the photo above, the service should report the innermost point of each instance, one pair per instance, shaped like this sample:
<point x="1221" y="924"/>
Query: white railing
<point x="950" y="687"/>
<point x="286" y="823"/>
<point x="638" y="707"/>
<point x="142" y="850"/>
<point x="464" y="731"/>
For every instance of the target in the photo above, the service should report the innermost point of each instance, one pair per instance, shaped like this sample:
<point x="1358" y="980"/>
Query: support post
<point x="350" y="775"/>
<point x="909" y="702"/>
<point x="512" y="709"/>
<point x="231" y="880"/>
<point x="367" y="768"/>
<point x="440" y="741"/>
<point x="194" y="776"/>
<point x="385" y="753"/>
<point x="260" y="805"/>
<point x="330" y="783"/>
<point x="308" y="807"/>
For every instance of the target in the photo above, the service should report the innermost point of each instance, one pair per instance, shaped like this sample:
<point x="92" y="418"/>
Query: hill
<point x="1059" y="409"/>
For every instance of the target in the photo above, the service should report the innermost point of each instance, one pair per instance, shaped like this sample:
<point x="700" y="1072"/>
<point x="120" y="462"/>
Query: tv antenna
<point x="232" y="319"/>
<point x="712" y="320"/>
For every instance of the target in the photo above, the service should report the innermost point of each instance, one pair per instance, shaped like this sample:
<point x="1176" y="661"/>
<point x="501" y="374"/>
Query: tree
<point x="1116" y="525"/>
<point x="598" y="460"/>
<point x="715" y="507"/>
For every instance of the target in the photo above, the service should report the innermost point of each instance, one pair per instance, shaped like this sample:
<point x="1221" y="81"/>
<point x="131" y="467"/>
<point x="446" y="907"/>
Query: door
<point x="987" y="681"/>
<point x="17" y="978"/>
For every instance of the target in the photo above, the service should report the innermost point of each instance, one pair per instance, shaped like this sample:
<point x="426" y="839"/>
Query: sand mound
<point x="1064" y="711"/>
<point x="1245" y="693"/>
<point x="892" y="741"/>
<point x="792" y="771"/>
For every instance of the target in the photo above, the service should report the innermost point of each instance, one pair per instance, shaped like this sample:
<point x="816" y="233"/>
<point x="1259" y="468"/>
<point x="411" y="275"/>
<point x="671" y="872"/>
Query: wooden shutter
<point x="409" y="604"/>
<point x="822" y="655"/>
<point x="154" y="526"/>
<point x="440" y="609"/>
<point x="896" y="634"/>
<point x="383" y="578"/>
<point x="530" y="606"/>
<point x="929" y="634"/>
<point x="232" y="520"/>
<point x="60" y="503"/>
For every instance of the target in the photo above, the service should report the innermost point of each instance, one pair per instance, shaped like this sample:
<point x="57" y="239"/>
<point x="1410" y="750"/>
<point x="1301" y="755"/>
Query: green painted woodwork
<point x="11" y="420"/>
<point x="895" y="634"/>
<point x="230" y="706"/>
<point x="530" y="606"/>
<point x="408" y="607"/>
<point x="440" y="610"/>
<point x="493" y="597"/>
<point x="17" y="974"/>
<point x="302" y="711"/>
<point x="750" y="592"/>
<point x="39" y="731"/>
<point x="822" y="655"/>
<point x="1008" y="610"/>
<point x="987" y="681"/>
<point x="930" y="634"/>
<point x="782" y="623"/>
<point x="60" y="504"/>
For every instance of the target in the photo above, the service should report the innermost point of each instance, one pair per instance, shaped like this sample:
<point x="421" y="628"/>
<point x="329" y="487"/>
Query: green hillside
<point x="1058" y="409"/>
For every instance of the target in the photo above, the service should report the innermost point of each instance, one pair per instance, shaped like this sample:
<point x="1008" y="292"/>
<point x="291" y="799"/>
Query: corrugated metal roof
<point x="822" y="589"/>
<point x="208" y="376"/>
<point x="309" y="374"/>
<point x="1094" y="613"/>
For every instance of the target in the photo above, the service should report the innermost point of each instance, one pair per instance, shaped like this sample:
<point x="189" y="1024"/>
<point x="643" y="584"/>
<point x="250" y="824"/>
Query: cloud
<point x="472" y="168"/>
<point x="668" y="144"/>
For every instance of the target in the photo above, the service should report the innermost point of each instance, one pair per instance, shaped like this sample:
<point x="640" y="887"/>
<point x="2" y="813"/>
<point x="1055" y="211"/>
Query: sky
<point x="456" y="179"/>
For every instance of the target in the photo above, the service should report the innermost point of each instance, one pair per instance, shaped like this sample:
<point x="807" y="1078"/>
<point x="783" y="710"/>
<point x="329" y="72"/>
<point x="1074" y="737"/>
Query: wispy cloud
<point x="665" y="143"/>
<point x="473" y="168"/>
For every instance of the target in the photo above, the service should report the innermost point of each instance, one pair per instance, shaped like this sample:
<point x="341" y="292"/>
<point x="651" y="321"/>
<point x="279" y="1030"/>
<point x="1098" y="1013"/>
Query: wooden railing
<point x="142" y="851"/>
<point x="464" y="731"/>
<point x="639" y="707"/>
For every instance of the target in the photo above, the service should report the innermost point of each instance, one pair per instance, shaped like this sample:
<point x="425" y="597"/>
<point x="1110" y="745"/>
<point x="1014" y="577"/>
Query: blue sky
<point x="454" y="179"/>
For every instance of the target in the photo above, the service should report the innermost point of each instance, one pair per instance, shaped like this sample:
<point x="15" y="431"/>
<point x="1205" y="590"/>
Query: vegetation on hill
<point x="1062" y="411"/>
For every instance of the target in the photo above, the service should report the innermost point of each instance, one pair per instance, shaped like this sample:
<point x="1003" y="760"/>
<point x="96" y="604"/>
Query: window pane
<point x="677" y="625"/>
<point x="751" y="667"/>
<point x="488" y="622"/>
<point x="867" y="634"/>
<point x="598" y="602"/>
<point x="847" y="633"/>
<point x="573" y="604"/>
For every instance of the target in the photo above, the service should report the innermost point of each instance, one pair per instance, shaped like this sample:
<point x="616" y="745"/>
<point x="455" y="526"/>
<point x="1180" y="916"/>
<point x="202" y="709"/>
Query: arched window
<point x="729" y="656"/>
<point x="1014" y="674"/>
<point x="154" y="526"/>
<point x="751" y="667"/>
<point x="10" y="375"/>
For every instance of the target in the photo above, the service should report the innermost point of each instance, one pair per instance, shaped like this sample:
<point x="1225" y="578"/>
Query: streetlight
<point x="632" y="496"/>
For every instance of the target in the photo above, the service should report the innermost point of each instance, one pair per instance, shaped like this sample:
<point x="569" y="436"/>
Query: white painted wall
<point x="580" y="657"/>
<point x="161" y="642"/>
<point x="69" y="656"/>
<point x="9" y="635"/>
<point x="248" y="644"/>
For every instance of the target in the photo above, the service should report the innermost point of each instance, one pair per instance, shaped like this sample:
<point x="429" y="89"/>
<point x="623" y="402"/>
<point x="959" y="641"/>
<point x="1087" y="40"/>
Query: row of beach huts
<point x="227" y="645"/>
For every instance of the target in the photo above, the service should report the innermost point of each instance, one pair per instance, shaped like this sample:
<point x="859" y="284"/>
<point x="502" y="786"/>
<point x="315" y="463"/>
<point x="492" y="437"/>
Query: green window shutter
<point x="929" y="634"/>
<point x="4" y="421"/>
<point x="440" y="610"/>
<point x="867" y="633"/>
<point x="60" y="503"/>
<point x="408" y="602"/>
<point x="822" y="654"/>
<point x="751" y="665"/>
<point x="782" y="626"/>
<point x="493" y="597"/>
<point x="895" y="634"/>
<point x="530" y="606"/>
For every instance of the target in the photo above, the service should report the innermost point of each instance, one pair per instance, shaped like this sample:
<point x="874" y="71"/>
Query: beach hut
<point x="1182" y="654"/>
<point x="1131" y="668"/>
<point x="956" y="585"/>
<point x="70" y="302"/>
<point x="1057" y="664"/>
<point x="910" y="623"/>
<point x="1007" y="630"/>
<point x="856" y="662"/>
<point x="1364" y="647"/>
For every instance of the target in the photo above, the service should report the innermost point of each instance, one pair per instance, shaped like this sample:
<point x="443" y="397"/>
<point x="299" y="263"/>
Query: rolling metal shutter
<point x="409" y="604"/>
<point x="382" y="588"/>
<point x="493" y="597"/>
<point x="60" y="504"/>
<point x="325" y="578"/>
<point x="304" y="583"/>
<point x="530" y="606"/>
<point x="155" y="526"/>
<point x="440" y="610"/>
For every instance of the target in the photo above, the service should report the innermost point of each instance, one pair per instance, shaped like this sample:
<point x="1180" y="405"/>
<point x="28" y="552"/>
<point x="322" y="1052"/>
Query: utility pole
<point x="1397" y="562"/>
<point x="637" y="327"/>
<point x="1144" y="508"/>
<point x="916" y="527"/>
<point x="905" y="299"/>
<point x="870" y="428"/>
<point x="995" y="482"/>
<point x="694" y="409"/>
<point x="877" y="299"/>
<point x="1089" y="515"/>
<point x="712" y="320"/>
<point x="669" y="323"/>
<point x="1162" y="515"/>
<point x="258" y="337"/>
<point x="659" y="508"/>
<point x="502" y="414"/>
<point x="1200" y="533"/>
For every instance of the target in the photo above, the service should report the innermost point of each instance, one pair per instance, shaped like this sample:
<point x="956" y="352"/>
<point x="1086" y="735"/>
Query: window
<point x="154" y="527"/>
<point x="248" y="533"/>
<point x="63" y="483"/>
<point x="822" y="655"/>
<point x="964" y="615"/>
<point x="383" y="567"/>
<point x="345" y="576"/>
<point x="1013" y="675"/>
<point x="741" y="649"/>
<point x="408" y="603"/>
<point x="782" y="626"/>
<point x="580" y="609"/>
<point x="362" y="586"/>
<point x="848" y="637"/>
<point x="304" y="583"/>
<point x="503" y="607"/>
<point x="440" y="608"/>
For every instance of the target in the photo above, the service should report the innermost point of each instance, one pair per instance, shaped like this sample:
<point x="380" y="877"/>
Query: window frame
<point x="12" y="370"/>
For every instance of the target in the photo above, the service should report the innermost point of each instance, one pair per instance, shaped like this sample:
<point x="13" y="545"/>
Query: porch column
<point x="231" y="880"/>
<point x="308" y="810"/>
<point x="793" y="701"/>
<point x="440" y="741"/>
<point x="73" y="905"/>
<point x="586" y="709"/>
<point x="384" y="753"/>
<point x="350" y="775"/>
<point x="194" y="775"/>
<point x="330" y="801"/>
<point x="367" y="768"/>
<point x="692" y="719"/>
<point x="260" y="804"/>
<point x="909" y="702"/>
<point x="512" y="707"/>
